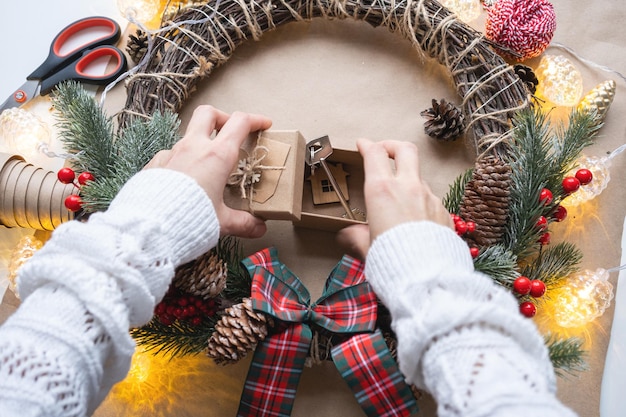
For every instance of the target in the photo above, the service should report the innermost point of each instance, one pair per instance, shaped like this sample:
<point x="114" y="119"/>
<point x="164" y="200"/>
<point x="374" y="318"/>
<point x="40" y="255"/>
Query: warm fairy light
<point x="584" y="297"/>
<point x="559" y="81"/>
<point x="146" y="12"/>
<point x="601" y="177"/>
<point x="139" y="368"/>
<point x="22" y="132"/>
<point x="599" y="167"/>
<point x="157" y="385"/>
<point x="25" y="248"/>
<point x="465" y="10"/>
<point x="150" y="12"/>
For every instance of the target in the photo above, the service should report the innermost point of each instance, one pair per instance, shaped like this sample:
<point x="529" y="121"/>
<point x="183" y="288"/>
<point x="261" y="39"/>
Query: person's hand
<point x="394" y="194"/>
<point x="210" y="162"/>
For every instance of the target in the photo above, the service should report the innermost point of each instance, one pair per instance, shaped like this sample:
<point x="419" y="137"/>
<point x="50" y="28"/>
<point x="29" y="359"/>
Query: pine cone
<point x="486" y="201"/>
<point x="527" y="76"/>
<point x="137" y="45"/>
<point x="237" y="333"/>
<point x="204" y="277"/>
<point x="445" y="121"/>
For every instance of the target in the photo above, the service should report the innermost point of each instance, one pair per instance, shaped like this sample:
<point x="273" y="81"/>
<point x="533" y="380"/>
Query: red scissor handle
<point x="77" y="70"/>
<point x="55" y="61"/>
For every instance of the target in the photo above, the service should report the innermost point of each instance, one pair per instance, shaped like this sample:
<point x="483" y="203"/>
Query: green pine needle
<point x="499" y="263"/>
<point x="176" y="340"/>
<point x="539" y="157"/>
<point x="567" y="355"/>
<point x="554" y="264"/>
<point x="87" y="132"/>
<point x="529" y="159"/>
<point x="84" y="129"/>
<point x="239" y="281"/>
<point x="452" y="200"/>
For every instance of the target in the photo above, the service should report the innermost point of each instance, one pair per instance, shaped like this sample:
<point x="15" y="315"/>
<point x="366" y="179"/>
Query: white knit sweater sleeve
<point x="460" y="336"/>
<point x="68" y="342"/>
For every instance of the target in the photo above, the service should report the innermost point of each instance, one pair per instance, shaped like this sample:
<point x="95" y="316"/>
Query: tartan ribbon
<point x="347" y="306"/>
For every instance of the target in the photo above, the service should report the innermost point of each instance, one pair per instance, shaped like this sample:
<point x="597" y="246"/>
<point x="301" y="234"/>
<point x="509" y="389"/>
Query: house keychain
<point x="316" y="152"/>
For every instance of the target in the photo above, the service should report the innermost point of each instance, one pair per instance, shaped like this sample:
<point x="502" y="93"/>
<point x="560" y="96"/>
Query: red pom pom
<point x="73" y="202"/>
<point x="528" y="309"/>
<point x="66" y="175"/>
<point x="537" y="288"/>
<point x="560" y="214"/>
<point x="584" y="176"/>
<point x="84" y="177"/>
<point x="522" y="285"/>
<point x="545" y="196"/>
<point x="525" y="27"/>
<point x="570" y="184"/>
<point x="474" y="251"/>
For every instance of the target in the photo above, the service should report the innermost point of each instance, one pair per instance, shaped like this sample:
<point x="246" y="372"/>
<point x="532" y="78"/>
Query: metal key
<point x="316" y="153"/>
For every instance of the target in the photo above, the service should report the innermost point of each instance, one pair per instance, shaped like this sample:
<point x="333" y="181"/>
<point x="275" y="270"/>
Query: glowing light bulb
<point x="559" y="81"/>
<point x="25" y="248"/>
<point x="585" y="296"/>
<point x="465" y="10"/>
<point x="146" y="12"/>
<point x="23" y="132"/>
<point x="599" y="167"/>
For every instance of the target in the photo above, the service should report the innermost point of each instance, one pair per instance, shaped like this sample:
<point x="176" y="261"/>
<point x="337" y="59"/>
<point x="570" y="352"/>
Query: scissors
<point x="72" y="65"/>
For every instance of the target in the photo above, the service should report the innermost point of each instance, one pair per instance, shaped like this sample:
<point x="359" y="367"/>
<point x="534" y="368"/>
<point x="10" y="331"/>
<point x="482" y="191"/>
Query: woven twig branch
<point x="204" y="38"/>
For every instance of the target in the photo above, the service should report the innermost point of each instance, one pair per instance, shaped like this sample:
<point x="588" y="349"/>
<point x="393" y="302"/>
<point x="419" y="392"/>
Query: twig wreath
<point x="511" y="194"/>
<point x="490" y="89"/>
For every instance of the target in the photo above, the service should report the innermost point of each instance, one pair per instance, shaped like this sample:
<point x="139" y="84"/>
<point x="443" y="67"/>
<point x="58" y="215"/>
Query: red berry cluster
<point x="525" y="286"/>
<point x="582" y="177"/>
<point x="66" y="175"/>
<point x="546" y="197"/>
<point x="462" y="227"/>
<point x="184" y="308"/>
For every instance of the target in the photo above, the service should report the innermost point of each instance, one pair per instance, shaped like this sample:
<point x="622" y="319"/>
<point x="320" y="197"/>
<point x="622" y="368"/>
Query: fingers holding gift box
<point x="273" y="181"/>
<point x="267" y="181"/>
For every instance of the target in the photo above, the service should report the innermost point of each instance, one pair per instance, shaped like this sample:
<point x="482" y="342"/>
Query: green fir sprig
<point x="567" y="355"/>
<point x="539" y="156"/>
<point x="178" y="339"/>
<point x="499" y="263"/>
<point x="84" y="129"/>
<point x="111" y="157"/>
<point x="239" y="282"/>
<point x="452" y="200"/>
<point x="554" y="263"/>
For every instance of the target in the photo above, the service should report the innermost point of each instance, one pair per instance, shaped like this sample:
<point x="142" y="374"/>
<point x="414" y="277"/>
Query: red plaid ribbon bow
<point x="348" y="306"/>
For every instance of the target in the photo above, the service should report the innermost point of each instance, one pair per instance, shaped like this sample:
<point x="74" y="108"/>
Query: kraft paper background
<point x="348" y="80"/>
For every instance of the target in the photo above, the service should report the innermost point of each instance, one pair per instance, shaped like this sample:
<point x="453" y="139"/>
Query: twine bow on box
<point x="249" y="171"/>
<point x="348" y="307"/>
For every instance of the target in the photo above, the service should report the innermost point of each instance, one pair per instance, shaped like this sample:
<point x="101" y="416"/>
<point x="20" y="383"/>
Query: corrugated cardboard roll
<point x="31" y="197"/>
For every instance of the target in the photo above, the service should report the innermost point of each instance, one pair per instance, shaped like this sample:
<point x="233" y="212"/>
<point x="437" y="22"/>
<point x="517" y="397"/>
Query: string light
<point x="599" y="167"/>
<point x="24" y="250"/>
<point x="150" y="12"/>
<point x="23" y="132"/>
<point x="559" y="81"/>
<point x="585" y="296"/>
<point x="147" y="12"/>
